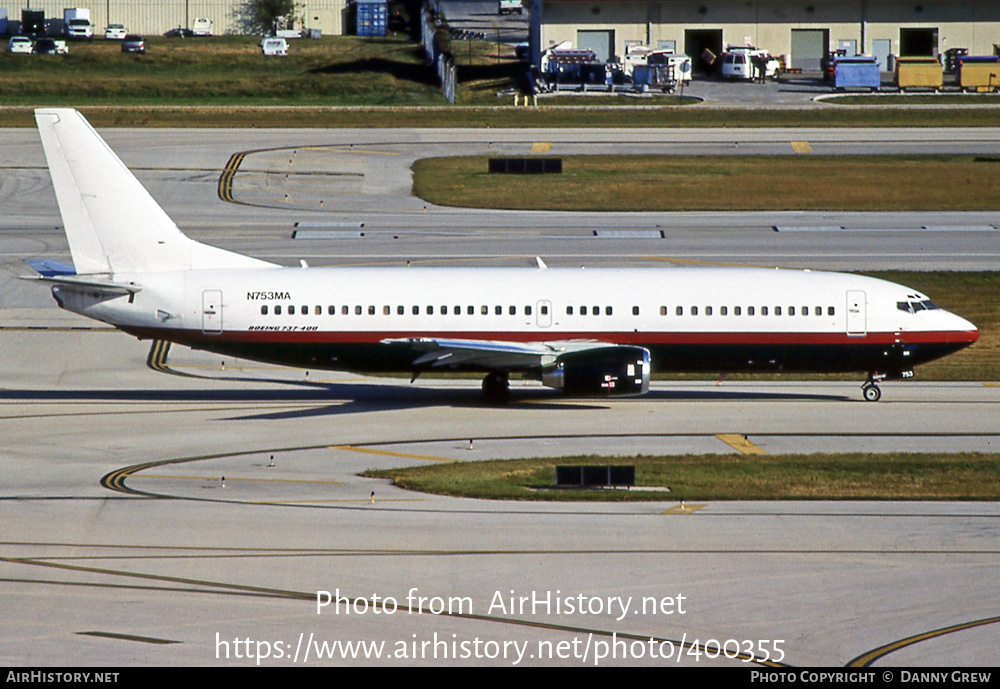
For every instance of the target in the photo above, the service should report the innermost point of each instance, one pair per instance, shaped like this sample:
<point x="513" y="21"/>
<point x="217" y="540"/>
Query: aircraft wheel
<point x="496" y="387"/>
<point x="872" y="392"/>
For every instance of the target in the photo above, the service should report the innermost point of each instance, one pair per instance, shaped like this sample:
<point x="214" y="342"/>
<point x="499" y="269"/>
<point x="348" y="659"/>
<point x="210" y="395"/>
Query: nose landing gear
<point x="870" y="389"/>
<point x="871" y="392"/>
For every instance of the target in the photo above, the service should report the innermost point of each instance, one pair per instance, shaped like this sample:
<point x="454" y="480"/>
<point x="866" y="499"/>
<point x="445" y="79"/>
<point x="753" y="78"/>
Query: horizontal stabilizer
<point x="47" y="268"/>
<point x="88" y="284"/>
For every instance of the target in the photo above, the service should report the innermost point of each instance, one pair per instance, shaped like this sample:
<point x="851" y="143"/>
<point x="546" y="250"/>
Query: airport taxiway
<point x="121" y="544"/>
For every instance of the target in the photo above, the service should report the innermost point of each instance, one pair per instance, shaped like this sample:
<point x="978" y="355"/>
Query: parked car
<point x="115" y="32"/>
<point x="50" y="46"/>
<point x="19" y="44"/>
<point x="134" y="43"/>
<point x="274" y="46"/>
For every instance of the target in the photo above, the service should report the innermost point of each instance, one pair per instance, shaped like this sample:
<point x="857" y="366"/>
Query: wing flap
<point x="494" y="355"/>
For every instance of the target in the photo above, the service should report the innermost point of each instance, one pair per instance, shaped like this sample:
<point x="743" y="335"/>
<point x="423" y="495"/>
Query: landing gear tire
<point x="871" y="392"/>
<point x="496" y="388"/>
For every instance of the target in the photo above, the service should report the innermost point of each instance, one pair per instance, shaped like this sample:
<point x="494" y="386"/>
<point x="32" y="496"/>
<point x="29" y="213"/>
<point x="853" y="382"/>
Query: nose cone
<point x="962" y="330"/>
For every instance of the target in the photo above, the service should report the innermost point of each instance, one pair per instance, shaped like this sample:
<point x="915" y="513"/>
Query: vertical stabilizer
<point x="112" y="223"/>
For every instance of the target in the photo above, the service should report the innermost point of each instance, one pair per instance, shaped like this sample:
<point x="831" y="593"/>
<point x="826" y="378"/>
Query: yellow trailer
<point x="980" y="76"/>
<point x="919" y="72"/>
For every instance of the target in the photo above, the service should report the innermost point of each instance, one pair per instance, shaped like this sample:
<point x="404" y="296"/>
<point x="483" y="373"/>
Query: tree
<point x="265" y="14"/>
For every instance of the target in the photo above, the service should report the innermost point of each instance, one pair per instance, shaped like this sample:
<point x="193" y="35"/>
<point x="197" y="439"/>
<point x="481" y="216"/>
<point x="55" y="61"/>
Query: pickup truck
<point x="509" y="7"/>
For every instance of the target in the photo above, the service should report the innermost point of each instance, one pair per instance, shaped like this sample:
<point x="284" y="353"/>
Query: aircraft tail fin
<point x="112" y="223"/>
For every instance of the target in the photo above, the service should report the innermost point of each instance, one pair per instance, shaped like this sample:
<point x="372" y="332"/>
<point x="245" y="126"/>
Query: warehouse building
<point x="802" y="31"/>
<point x="156" y="17"/>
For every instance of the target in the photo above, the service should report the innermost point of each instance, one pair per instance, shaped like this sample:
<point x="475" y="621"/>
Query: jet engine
<point x="608" y="371"/>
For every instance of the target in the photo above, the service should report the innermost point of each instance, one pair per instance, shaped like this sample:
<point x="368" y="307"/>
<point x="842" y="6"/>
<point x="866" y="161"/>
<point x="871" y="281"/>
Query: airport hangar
<point x="801" y="30"/>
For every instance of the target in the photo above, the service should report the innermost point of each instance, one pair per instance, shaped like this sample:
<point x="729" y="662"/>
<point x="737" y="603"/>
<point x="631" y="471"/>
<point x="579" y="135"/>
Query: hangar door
<point x="809" y="46"/>
<point x="601" y="42"/>
<point x="918" y="42"/>
<point x="696" y="41"/>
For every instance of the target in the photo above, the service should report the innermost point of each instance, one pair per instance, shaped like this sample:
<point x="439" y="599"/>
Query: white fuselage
<point x="662" y="309"/>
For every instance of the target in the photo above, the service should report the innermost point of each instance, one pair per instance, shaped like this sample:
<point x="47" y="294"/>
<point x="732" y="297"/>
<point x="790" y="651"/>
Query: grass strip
<point x="850" y="476"/>
<point x="250" y="113"/>
<point x="721" y="183"/>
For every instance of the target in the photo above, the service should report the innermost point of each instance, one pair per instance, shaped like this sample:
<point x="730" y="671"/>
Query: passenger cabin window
<point x="357" y="310"/>
<point x="344" y="310"/>
<point x="415" y="310"/>
<point x="708" y="310"/>
<point x="498" y="310"/>
<point x="663" y="310"/>
<point x="723" y="310"/>
<point x="569" y="310"/>
<point x="291" y="309"/>
<point x="680" y="310"/>
<point x="830" y="311"/>
<point x="263" y="310"/>
<point x="544" y="310"/>
<point x="763" y="310"/>
<point x="318" y="310"/>
<point x="527" y="310"/>
<point x="791" y="310"/>
<point x="737" y="310"/>
<point x="512" y="310"/>
<point x="277" y="310"/>
<point x="694" y="310"/>
<point x="331" y="310"/>
<point x="400" y="310"/>
<point x="583" y="310"/>
<point x="749" y="310"/>
<point x="386" y="310"/>
<point x="777" y="310"/>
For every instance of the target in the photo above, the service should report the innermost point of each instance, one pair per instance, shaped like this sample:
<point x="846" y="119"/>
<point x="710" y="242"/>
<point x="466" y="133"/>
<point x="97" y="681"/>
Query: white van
<point x="274" y="46"/>
<point x="202" y="26"/>
<point x="739" y="63"/>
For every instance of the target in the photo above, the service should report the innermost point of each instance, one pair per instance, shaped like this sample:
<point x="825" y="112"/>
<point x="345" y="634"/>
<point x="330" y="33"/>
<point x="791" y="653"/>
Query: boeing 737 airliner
<point x="593" y="331"/>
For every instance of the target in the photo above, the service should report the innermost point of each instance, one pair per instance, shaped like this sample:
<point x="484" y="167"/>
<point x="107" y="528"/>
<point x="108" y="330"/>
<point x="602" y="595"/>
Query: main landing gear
<point x="496" y="387"/>
<point x="870" y="389"/>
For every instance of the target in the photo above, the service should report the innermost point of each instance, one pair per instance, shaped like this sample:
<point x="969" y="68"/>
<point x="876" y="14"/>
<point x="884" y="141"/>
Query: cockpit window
<point x="914" y="306"/>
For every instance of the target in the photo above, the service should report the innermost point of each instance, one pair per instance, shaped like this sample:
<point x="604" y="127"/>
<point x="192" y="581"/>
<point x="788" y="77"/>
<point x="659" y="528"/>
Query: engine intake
<point x="612" y="371"/>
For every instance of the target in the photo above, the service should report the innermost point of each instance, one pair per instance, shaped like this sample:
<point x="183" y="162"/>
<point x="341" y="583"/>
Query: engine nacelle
<point x="608" y="371"/>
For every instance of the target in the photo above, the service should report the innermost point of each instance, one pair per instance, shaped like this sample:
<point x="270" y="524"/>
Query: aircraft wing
<point x="494" y="355"/>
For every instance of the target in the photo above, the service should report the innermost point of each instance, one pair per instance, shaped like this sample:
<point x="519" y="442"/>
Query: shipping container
<point x="856" y="72"/>
<point x="919" y="72"/>
<point x="372" y="17"/>
<point x="979" y="73"/>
